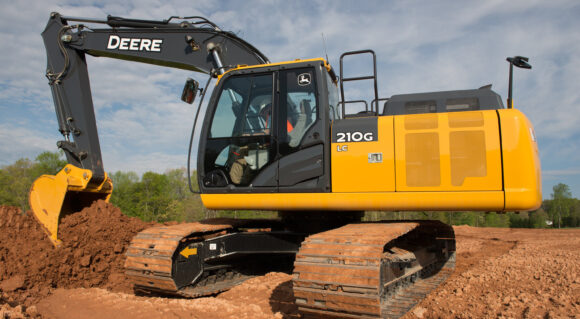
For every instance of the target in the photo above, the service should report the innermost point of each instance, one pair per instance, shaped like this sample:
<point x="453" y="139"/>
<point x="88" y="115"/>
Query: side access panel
<point x="457" y="151"/>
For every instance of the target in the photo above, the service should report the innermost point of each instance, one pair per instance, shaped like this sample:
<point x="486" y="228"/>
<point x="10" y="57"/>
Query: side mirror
<point x="189" y="90"/>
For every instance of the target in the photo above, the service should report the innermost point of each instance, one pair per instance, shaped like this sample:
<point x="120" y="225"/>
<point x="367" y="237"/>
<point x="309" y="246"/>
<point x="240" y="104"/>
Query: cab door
<point x="239" y="144"/>
<point x="301" y="132"/>
<point x="265" y="132"/>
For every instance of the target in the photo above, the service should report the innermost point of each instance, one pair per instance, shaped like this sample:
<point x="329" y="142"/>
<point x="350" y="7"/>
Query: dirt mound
<point x="509" y="273"/>
<point x="264" y="297"/>
<point x="92" y="253"/>
<point x="94" y="244"/>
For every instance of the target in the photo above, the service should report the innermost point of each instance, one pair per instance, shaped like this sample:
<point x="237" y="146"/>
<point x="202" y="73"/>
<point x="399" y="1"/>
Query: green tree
<point x="465" y="218"/>
<point x="48" y="163"/>
<point x="157" y="197"/>
<point x="573" y="218"/>
<point x="561" y="204"/>
<point x="15" y="182"/>
<point x="16" y="179"/>
<point x="496" y="220"/>
<point x="178" y="191"/>
<point x="520" y="220"/>
<point x="538" y="219"/>
<point x="123" y="191"/>
<point x="153" y="197"/>
<point x="177" y="183"/>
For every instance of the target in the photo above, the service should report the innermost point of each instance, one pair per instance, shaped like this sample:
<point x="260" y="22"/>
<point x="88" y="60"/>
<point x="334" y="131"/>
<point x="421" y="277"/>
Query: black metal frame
<point x="366" y="112"/>
<point x="386" y="99"/>
<point x="232" y="250"/>
<point x="358" y="78"/>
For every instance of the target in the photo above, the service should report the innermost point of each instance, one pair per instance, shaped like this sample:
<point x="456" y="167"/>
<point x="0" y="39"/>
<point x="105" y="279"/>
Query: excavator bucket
<point x="53" y="196"/>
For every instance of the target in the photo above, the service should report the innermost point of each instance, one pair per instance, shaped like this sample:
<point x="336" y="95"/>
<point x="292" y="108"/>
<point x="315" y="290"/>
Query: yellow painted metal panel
<point x="460" y="164"/>
<point x="421" y="122"/>
<point x="409" y="201"/>
<point x="422" y="159"/>
<point x="522" y="172"/>
<point x="350" y="167"/>
<point x="467" y="154"/>
<point x="49" y="201"/>
<point x="465" y="119"/>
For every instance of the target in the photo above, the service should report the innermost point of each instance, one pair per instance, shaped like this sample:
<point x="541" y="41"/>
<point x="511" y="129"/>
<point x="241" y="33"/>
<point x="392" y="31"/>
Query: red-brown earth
<point x="501" y="273"/>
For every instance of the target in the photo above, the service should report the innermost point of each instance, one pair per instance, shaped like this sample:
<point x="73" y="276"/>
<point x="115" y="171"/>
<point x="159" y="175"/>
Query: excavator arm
<point x="196" y="44"/>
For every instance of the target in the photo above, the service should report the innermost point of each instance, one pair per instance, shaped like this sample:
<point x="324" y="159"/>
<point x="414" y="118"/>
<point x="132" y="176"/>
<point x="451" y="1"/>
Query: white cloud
<point x="19" y="141"/>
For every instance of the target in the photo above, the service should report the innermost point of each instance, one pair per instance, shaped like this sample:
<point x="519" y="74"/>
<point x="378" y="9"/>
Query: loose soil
<point x="510" y="273"/>
<point x="501" y="273"/>
<point x="91" y="254"/>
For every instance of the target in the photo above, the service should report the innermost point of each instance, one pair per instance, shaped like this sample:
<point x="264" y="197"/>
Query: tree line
<point x="166" y="197"/>
<point x="149" y="197"/>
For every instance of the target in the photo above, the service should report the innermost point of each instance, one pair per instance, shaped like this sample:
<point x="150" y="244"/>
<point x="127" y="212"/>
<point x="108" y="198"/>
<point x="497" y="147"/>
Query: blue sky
<point x="420" y="45"/>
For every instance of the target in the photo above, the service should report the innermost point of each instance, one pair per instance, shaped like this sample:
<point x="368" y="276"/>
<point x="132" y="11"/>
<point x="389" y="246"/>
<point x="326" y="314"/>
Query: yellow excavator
<point x="278" y="136"/>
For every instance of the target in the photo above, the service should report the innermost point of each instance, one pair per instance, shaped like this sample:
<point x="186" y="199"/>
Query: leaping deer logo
<point x="304" y="79"/>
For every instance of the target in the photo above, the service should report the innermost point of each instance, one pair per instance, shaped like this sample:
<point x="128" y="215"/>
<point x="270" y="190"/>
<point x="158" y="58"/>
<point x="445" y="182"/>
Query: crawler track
<point x="150" y="256"/>
<point x="373" y="270"/>
<point x="207" y="257"/>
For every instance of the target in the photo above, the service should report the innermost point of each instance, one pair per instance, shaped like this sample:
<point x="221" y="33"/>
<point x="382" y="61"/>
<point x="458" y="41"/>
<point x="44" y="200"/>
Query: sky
<point x="421" y="46"/>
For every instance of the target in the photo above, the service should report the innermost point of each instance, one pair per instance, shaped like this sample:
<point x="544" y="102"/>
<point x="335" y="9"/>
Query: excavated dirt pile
<point x="94" y="241"/>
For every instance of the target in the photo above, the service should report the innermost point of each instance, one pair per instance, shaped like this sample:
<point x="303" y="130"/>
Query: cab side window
<point x="243" y="107"/>
<point x="299" y="103"/>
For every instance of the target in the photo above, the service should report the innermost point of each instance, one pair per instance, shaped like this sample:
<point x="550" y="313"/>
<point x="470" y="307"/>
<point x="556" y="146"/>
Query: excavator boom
<point x="197" y="45"/>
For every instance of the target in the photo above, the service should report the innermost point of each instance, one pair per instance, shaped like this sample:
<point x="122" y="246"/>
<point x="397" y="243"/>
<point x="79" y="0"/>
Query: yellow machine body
<point x="53" y="196"/>
<point x="477" y="160"/>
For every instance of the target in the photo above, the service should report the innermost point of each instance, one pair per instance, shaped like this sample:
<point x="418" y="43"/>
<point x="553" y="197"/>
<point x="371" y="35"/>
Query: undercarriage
<point x="355" y="270"/>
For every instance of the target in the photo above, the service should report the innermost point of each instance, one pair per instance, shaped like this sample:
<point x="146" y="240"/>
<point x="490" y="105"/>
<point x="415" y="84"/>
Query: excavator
<point x="278" y="136"/>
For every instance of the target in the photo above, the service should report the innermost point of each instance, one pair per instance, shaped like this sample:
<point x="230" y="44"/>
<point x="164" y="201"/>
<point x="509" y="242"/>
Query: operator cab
<point x="264" y="130"/>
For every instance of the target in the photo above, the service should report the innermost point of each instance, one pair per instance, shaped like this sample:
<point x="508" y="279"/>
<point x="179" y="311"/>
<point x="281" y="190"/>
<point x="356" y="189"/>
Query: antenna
<point x="324" y="44"/>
